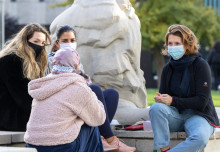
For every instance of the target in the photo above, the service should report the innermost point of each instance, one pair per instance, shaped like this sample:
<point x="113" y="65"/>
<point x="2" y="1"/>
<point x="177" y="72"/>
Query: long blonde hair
<point x="189" y="39"/>
<point x="32" y="68"/>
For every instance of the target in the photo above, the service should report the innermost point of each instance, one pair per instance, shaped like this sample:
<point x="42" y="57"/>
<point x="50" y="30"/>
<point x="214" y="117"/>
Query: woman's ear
<point x="57" y="43"/>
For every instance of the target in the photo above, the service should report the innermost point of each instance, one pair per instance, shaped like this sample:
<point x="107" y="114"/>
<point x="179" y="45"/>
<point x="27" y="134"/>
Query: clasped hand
<point x="163" y="98"/>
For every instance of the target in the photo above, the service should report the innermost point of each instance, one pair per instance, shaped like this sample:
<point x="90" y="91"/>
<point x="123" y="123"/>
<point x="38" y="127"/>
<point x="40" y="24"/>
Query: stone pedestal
<point x="109" y="44"/>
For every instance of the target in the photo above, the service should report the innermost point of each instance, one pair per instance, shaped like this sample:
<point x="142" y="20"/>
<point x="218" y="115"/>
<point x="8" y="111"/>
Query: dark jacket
<point x="214" y="59"/>
<point x="15" y="102"/>
<point x="200" y="98"/>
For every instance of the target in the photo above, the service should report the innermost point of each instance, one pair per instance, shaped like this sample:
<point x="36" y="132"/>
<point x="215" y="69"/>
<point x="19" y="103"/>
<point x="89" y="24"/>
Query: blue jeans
<point x="87" y="140"/>
<point x="109" y="98"/>
<point x="166" y="119"/>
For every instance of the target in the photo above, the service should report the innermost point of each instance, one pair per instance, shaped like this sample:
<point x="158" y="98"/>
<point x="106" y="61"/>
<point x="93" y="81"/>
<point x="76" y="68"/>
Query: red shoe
<point x="107" y="147"/>
<point x="166" y="150"/>
<point x="122" y="147"/>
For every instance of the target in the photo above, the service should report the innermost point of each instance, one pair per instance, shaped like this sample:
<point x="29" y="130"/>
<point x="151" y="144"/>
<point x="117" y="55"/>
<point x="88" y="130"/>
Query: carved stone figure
<point x="109" y="44"/>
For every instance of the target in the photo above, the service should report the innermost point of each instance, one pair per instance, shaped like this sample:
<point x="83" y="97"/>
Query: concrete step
<point x="143" y="140"/>
<point x="17" y="149"/>
<point x="11" y="137"/>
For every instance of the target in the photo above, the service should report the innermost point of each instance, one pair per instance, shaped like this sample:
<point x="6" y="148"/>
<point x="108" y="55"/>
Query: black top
<point x="214" y="59"/>
<point x="200" y="98"/>
<point x="15" y="102"/>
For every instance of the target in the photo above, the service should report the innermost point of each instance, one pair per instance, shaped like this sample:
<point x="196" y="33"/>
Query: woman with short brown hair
<point x="188" y="39"/>
<point x="184" y="101"/>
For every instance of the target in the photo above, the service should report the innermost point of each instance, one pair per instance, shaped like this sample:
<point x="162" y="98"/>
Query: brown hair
<point x="189" y="39"/>
<point x="32" y="68"/>
<point x="60" y="31"/>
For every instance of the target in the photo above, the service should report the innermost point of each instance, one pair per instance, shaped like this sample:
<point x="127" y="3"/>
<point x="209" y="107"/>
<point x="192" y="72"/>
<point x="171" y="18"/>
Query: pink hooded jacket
<point x="61" y="105"/>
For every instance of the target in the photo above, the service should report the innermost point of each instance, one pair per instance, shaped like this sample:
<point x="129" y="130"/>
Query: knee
<point x="112" y="93"/>
<point x="157" y="108"/>
<point x="95" y="87"/>
<point x="201" y="140"/>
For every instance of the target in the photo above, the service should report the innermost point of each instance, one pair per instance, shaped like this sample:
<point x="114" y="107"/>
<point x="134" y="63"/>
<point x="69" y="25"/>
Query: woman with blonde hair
<point x="184" y="101"/>
<point x="24" y="58"/>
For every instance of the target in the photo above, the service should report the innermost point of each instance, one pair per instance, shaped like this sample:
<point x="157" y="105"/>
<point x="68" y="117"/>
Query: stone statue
<point x="109" y="44"/>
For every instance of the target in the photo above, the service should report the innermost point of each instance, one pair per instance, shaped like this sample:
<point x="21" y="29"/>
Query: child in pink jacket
<point x="64" y="111"/>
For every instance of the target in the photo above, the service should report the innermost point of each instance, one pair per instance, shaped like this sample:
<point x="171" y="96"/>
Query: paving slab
<point x="16" y="149"/>
<point x="10" y="137"/>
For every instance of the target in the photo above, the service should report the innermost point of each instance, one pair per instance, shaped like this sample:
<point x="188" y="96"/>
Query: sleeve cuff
<point x="171" y="101"/>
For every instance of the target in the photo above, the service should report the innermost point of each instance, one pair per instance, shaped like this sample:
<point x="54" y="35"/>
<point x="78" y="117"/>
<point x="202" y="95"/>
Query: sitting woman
<point x="66" y="38"/>
<point x="64" y="110"/>
<point x="23" y="58"/>
<point x="184" y="102"/>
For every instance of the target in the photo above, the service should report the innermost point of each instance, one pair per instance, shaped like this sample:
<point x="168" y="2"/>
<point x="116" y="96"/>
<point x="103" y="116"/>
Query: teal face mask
<point x="176" y="52"/>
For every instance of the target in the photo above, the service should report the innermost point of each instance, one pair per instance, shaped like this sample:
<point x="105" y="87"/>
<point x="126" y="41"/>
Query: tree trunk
<point x="159" y="62"/>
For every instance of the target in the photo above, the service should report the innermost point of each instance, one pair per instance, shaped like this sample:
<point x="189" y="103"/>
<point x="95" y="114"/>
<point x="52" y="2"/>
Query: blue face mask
<point x="176" y="52"/>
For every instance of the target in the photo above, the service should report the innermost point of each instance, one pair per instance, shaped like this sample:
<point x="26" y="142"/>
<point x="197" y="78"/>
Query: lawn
<point x="152" y="92"/>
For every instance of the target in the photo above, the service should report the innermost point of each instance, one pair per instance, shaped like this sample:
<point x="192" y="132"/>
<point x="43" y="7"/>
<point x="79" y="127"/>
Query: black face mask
<point x="37" y="48"/>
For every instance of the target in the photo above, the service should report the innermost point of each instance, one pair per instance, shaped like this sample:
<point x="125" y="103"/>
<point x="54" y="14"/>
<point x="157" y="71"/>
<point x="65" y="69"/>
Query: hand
<point x="78" y="68"/>
<point x="157" y="98"/>
<point x="163" y="98"/>
<point x="158" y="93"/>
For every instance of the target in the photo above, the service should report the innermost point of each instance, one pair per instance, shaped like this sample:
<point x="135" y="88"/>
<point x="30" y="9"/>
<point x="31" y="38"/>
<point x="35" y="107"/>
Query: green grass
<point x="152" y="92"/>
